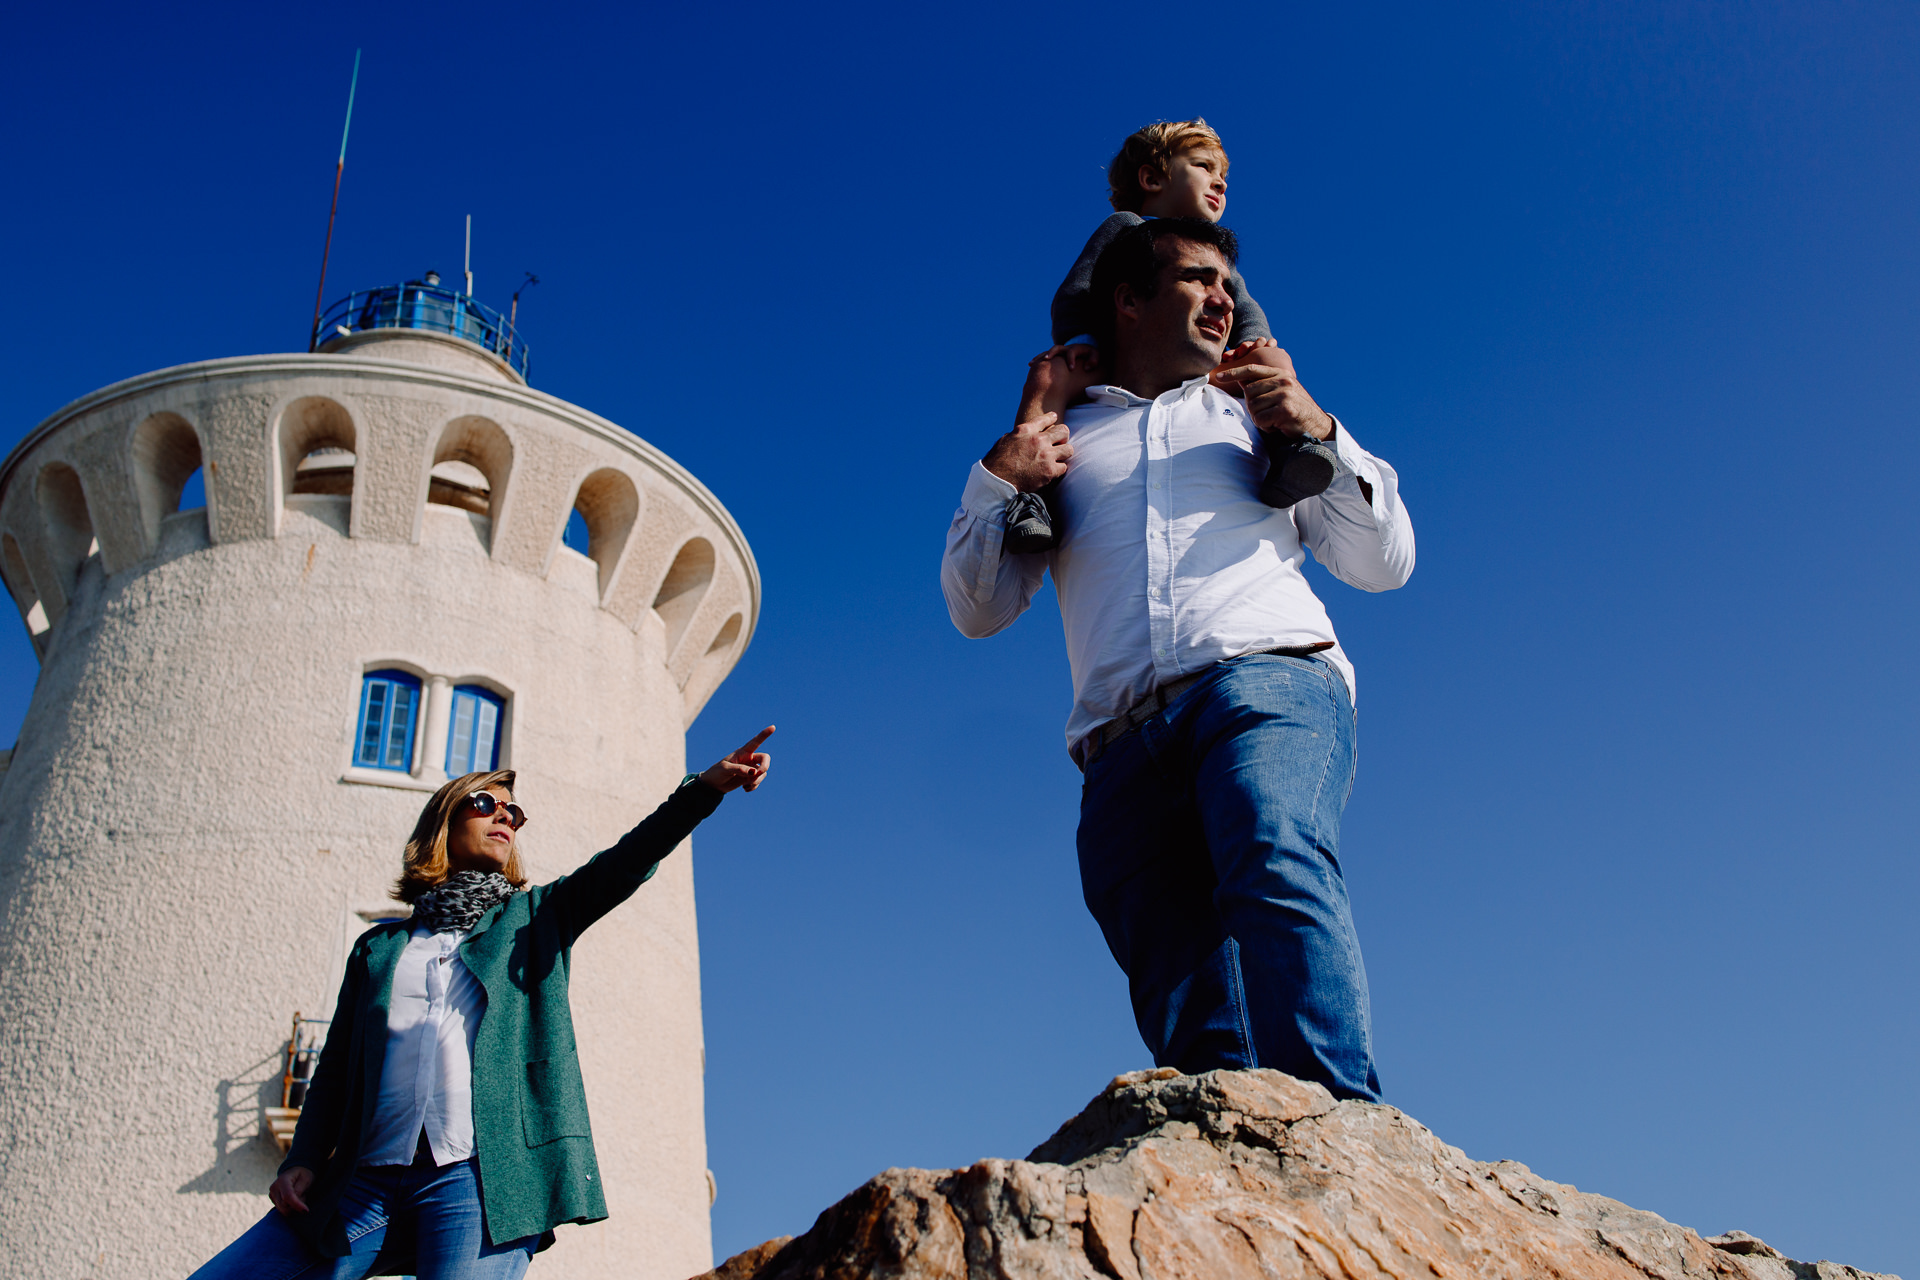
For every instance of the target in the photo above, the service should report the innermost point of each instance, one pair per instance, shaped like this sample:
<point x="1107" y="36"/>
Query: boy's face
<point x="1195" y="186"/>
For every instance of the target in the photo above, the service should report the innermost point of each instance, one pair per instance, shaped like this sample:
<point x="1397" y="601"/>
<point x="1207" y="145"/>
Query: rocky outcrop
<point x="1248" y="1174"/>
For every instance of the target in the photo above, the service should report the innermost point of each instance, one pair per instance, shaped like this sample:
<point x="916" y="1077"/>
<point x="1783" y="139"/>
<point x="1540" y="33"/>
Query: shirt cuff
<point x="986" y="495"/>
<point x="1357" y="462"/>
<point x="1081" y="340"/>
<point x="1351" y="454"/>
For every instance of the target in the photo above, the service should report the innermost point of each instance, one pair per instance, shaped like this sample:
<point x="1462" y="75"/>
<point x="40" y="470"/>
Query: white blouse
<point x="427" y="1079"/>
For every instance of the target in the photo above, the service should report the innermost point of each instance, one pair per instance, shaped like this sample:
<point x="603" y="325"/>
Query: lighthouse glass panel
<point x="384" y="739"/>
<point x="473" y="739"/>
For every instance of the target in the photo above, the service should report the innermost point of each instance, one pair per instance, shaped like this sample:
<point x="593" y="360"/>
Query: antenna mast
<point x="469" y="255"/>
<point x="513" y="317"/>
<point x="319" y="295"/>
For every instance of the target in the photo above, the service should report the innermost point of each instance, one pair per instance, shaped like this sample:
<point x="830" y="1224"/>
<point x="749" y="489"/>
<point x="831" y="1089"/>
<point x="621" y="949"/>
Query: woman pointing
<point x="445" y="1129"/>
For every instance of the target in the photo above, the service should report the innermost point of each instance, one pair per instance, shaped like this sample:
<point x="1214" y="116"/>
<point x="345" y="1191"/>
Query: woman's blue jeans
<point x="400" y="1220"/>
<point x="1209" y="854"/>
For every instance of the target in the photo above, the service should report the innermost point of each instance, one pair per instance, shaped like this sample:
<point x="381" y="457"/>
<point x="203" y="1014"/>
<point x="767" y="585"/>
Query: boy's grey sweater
<point x="1073" y="301"/>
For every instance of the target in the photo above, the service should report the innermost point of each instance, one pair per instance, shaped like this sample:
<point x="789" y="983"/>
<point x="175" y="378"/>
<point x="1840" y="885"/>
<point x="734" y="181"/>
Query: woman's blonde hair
<point x="1157" y="145"/>
<point x="424" y="864"/>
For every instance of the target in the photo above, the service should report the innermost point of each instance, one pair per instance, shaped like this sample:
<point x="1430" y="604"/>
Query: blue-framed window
<point x="389" y="703"/>
<point x="473" y="739"/>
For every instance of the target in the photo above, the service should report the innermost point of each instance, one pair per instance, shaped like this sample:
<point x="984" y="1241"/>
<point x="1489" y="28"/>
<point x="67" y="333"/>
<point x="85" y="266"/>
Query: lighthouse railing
<point x="418" y="305"/>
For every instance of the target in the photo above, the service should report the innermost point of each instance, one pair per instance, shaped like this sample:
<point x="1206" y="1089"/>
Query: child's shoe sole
<point x="1302" y="467"/>
<point x="1029" y="526"/>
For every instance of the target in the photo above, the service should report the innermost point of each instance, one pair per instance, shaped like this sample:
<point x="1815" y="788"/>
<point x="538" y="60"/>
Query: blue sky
<point x="1627" y="293"/>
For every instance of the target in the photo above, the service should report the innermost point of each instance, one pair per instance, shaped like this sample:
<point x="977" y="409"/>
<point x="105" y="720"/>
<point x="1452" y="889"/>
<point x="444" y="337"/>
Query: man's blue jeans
<point x="400" y="1219"/>
<point x="1209" y="853"/>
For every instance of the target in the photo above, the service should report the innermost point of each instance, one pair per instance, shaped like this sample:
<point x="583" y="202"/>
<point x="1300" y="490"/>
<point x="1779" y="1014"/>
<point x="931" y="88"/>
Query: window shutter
<point x="389" y="701"/>
<point x="473" y="739"/>
<point x="373" y="718"/>
<point x="485" y="723"/>
<point x="400" y="729"/>
<point x="460" y="740"/>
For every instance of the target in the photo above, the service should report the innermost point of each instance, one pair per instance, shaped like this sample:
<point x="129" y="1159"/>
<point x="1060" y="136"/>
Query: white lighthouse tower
<point x="240" y="711"/>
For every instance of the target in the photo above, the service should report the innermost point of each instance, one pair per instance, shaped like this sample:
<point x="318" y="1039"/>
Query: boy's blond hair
<point x="1157" y="145"/>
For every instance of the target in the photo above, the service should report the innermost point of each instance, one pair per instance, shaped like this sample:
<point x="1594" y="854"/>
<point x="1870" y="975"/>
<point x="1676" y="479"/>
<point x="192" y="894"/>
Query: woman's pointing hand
<point x="745" y="768"/>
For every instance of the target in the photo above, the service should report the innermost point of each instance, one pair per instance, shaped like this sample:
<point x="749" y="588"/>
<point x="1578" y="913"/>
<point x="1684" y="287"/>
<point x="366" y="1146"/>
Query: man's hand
<point x="1243" y="353"/>
<point x="1264" y="375"/>
<point x="289" y="1190"/>
<point x="1264" y="352"/>
<point x="1056" y="378"/>
<point x="744" y="768"/>
<point x="1031" y="455"/>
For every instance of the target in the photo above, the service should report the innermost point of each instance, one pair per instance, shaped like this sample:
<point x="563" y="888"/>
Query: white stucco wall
<point x="180" y="857"/>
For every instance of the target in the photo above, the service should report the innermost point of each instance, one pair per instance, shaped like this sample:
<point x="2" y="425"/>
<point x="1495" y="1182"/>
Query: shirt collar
<point x="444" y="940"/>
<point x="1120" y="397"/>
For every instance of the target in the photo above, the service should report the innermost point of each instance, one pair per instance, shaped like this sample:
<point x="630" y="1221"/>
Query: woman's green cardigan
<point x="530" y="1132"/>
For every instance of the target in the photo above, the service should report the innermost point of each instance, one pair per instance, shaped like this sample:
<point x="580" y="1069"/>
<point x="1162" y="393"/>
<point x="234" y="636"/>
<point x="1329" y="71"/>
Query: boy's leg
<point x="1149" y="883"/>
<point x="1272" y="744"/>
<point x="1297" y="466"/>
<point x="1249" y="320"/>
<point x="1055" y="379"/>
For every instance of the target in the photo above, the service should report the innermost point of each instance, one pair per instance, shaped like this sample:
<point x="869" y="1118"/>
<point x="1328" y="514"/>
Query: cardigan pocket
<point x="553" y="1105"/>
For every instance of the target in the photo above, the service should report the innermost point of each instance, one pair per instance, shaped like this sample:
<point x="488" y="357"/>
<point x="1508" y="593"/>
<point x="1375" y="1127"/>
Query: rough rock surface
<point x="1249" y="1174"/>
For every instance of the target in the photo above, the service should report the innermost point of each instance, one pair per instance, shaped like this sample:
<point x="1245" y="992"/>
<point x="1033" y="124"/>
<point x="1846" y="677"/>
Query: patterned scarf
<point x="458" y="901"/>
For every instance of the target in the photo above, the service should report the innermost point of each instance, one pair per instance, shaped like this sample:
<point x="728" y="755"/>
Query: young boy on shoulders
<point x="1166" y="170"/>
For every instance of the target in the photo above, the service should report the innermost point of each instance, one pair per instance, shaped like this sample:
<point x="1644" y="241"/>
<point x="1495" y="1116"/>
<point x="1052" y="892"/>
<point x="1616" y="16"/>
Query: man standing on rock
<point x="1212" y="709"/>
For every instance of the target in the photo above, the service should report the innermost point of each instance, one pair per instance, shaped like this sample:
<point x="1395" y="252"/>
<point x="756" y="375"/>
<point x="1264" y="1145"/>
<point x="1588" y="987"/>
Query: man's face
<point x="1184" y="326"/>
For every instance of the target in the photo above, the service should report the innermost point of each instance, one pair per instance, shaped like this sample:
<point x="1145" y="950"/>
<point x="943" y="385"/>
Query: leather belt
<point x="1090" y="748"/>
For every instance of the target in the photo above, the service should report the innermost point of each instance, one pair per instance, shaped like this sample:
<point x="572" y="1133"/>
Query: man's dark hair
<point x="1135" y="258"/>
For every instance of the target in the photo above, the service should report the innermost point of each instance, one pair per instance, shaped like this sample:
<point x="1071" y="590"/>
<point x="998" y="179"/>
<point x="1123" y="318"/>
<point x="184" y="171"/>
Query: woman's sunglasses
<point x="486" y="804"/>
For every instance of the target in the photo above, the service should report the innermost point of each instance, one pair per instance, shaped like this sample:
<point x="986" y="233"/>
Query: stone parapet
<point x="102" y="474"/>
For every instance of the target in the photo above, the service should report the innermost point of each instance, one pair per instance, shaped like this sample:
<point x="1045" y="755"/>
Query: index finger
<point x="1249" y="376"/>
<point x="745" y="754"/>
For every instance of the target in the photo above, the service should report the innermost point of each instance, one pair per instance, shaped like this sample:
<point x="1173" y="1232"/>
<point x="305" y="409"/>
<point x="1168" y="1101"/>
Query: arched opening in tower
<point x="605" y="509"/>
<point x="166" y="471"/>
<point x="684" y="587"/>
<point x="63" y="505"/>
<point x="471" y="466"/>
<point x="20" y="586"/>
<point x="317" y="443"/>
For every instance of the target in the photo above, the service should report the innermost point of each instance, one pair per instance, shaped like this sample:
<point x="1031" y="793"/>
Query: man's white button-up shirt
<point x="427" y="1079"/>
<point x="1168" y="560"/>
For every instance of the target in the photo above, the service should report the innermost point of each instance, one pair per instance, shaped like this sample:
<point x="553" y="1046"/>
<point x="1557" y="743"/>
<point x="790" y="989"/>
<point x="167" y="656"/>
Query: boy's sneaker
<point x="1029" y="526"/>
<point x="1299" y="467"/>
